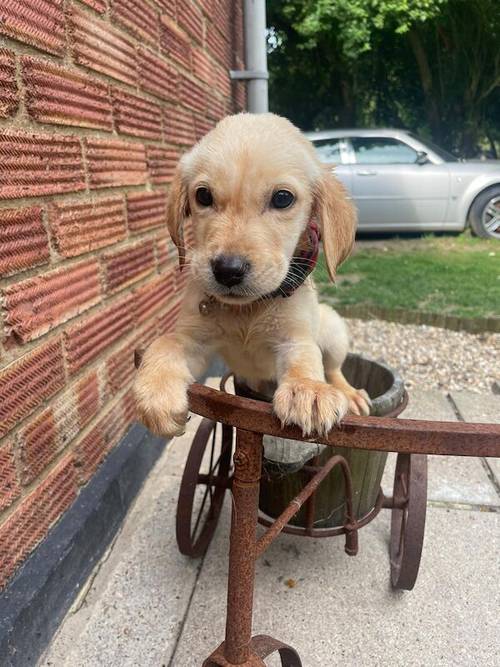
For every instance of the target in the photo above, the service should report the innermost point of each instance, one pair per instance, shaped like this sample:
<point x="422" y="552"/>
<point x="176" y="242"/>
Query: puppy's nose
<point x="229" y="270"/>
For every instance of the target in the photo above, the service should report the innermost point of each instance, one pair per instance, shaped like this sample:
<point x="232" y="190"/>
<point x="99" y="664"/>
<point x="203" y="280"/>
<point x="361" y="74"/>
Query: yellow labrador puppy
<point x="256" y="195"/>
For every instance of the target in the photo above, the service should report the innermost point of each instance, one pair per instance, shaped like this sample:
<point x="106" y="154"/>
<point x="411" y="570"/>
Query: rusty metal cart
<point x="252" y="419"/>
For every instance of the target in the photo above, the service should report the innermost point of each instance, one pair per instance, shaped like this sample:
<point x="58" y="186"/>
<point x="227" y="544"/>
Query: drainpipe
<point x="256" y="73"/>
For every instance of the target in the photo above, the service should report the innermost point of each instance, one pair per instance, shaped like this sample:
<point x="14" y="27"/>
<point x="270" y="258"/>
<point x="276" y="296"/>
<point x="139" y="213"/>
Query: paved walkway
<point x="149" y="606"/>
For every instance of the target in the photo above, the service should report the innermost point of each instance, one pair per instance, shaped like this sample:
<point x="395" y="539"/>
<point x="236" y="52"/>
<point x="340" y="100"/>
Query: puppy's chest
<point x="248" y="344"/>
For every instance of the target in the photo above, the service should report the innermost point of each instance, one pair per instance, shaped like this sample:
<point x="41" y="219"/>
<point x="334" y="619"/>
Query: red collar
<point x="302" y="263"/>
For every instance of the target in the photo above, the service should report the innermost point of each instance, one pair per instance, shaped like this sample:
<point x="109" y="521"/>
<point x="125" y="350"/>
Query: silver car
<point x="401" y="183"/>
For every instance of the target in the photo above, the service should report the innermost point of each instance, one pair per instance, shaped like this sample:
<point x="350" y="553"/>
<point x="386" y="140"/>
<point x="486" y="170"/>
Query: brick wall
<point x="98" y="99"/>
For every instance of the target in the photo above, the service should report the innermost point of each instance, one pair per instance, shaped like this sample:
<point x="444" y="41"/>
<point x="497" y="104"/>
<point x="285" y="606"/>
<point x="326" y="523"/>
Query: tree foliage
<point x="430" y="65"/>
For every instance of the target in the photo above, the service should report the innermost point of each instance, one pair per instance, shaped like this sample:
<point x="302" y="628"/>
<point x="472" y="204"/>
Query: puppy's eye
<point x="282" y="199"/>
<point x="204" y="197"/>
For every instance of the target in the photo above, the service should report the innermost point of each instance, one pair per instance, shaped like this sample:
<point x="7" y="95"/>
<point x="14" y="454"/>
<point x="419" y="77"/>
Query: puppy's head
<point x="251" y="186"/>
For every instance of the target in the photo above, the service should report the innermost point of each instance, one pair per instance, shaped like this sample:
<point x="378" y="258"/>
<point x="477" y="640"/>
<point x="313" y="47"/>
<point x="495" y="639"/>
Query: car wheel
<point x="484" y="215"/>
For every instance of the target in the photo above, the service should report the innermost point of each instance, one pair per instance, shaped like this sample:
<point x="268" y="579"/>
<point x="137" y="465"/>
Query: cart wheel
<point x="206" y="477"/>
<point x="408" y="519"/>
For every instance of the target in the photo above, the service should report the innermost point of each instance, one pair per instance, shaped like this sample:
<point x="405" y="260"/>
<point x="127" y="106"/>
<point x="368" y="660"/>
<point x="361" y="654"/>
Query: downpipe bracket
<point x="248" y="74"/>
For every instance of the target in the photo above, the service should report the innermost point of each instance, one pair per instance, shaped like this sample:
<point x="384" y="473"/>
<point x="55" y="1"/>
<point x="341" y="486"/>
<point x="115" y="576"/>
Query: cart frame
<point x="252" y="420"/>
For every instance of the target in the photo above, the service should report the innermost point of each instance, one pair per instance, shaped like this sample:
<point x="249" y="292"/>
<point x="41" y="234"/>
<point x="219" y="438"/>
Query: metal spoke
<point x="210" y="466"/>
<point x="207" y="489"/>
<point x="491" y="217"/>
<point x="493" y="224"/>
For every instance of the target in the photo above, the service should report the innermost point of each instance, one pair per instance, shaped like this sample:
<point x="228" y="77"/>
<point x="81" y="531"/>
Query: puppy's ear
<point x="177" y="212"/>
<point x="337" y="218"/>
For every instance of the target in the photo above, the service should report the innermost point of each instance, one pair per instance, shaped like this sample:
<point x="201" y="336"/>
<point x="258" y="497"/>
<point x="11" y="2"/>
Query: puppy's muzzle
<point x="230" y="270"/>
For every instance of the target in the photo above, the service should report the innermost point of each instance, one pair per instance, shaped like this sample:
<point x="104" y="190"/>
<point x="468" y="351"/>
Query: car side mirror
<point x="422" y="158"/>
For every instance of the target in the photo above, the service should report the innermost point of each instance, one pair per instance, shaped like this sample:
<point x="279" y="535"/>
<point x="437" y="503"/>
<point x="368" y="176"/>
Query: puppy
<point x="254" y="192"/>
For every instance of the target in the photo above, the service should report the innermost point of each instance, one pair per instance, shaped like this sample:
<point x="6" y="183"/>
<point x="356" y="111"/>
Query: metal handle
<point x="366" y="172"/>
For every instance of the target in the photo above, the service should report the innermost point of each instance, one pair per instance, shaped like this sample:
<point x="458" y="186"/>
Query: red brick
<point x="39" y="164"/>
<point x="238" y="42"/>
<point x="175" y="42"/>
<point x="128" y="266"/>
<point x="31" y="521"/>
<point x="166" y="322"/>
<point x="23" y="240"/>
<point x="202" y="126"/>
<point x="154" y="296"/>
<point x="223" y="82"/>
<point x="114" y="425"/>
<point x="207" y="7"/>
<point x="89" y="453"/>
<point x="157" y="76"/>
<point x="27" y="382"/>
<point x="8" y="86"/>
<point x="216" y="107"/>
<point x="161" y="163"/>
<point x="97" y="5"/>
<point x="218" y="46"/>
<point x="146" y="210"/>
<point x="39" y="23"/>
<point x="75" y="407"/>
<point x="94" y="447"/>
<point x="38" y="446"/>
<point x="136" y="116"/>
<point x="87" y="339"/>
<point x="190" y="19"/>
<point x="37" y="305"/>
<point x="9" y="486"/>
<point x="192" y="94"/>
<point x="65" y="97"/>
<point x="240" y="97"/>
<point x="120" y="365"/>
<point x="221" y="17"/>
<point x="203" y="67"/>
<point x="166" y="254"/>
<point x="87" y="398"/>
<point x="100" y="47"/>
<point x="115" y="163"/>
<point x="80" y="227"/>
<point x="178" y="126"/>
<point x="137" y="17"/>
<point x="129" y="407"/>
<point x="168" y="6"/>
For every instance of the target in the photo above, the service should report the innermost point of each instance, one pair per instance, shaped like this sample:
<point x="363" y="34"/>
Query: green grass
<point x="457" y="275"/>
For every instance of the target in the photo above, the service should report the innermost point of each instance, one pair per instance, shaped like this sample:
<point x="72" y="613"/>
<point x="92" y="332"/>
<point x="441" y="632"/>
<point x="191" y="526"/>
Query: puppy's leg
<point x="333" y="340"/>
<point x="168" y="367"/>
<point x="303" y="397"/>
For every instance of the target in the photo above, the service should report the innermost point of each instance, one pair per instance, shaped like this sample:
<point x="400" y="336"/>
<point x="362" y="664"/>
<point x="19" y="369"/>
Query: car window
<point x="444" y="155"/>
<point x="328" y="150"/>
<point x="382" y="150"/>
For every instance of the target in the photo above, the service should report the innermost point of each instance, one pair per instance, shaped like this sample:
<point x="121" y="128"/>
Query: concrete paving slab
<point x="473" y="407"/>
<point x="450" y="479"/>
<point x="339" y="610"/>
<point x="480" y="408"/>
<point x="133" y="610"/>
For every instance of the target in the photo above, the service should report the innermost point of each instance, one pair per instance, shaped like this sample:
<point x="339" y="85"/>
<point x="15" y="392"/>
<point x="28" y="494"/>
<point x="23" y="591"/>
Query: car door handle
<point x="366" y="172"/>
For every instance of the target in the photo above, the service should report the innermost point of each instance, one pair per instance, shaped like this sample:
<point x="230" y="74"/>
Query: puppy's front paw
<point x="161" y="401"/>
<point x="312" y="405"/>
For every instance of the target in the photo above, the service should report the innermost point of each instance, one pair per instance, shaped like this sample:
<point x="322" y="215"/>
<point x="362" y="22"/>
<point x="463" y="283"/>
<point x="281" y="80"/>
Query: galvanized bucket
<point x="284" y="475"/>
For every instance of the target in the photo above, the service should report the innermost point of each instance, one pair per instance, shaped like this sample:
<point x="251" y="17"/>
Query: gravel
<point x="429" y="357"/>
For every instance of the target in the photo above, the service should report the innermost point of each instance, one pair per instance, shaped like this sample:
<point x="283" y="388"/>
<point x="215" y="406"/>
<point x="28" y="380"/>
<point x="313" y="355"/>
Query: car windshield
<point x="444" y="155"/>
